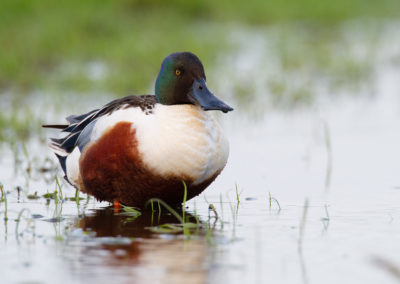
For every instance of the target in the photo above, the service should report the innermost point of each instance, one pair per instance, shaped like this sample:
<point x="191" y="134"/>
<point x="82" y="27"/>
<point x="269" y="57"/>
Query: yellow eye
<point x="177" y="72"/>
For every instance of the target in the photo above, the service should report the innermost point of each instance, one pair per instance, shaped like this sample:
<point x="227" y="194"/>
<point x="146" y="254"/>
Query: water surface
<point x="328" y="155"/>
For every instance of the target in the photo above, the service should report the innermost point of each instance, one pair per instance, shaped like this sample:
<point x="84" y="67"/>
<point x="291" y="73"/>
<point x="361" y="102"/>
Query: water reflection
<point x="118" y="247"/>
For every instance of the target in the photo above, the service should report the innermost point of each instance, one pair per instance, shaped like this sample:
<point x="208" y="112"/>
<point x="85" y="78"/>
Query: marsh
<point x="311" y="187"/>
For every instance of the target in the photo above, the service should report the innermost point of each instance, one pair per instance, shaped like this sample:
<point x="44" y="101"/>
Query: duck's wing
<point x="79" y="127"/>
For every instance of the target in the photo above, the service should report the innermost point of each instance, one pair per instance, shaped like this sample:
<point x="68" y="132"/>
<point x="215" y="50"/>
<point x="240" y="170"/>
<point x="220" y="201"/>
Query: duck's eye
<point x="178" y="72"/>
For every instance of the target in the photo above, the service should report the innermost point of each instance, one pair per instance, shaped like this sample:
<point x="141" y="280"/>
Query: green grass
<point x="326" y="12"/>
<point x="131" y="212"/>
<point x="3" y="198"/>
<point x="185" y="226"/>
<point x="237" y="193"/>
<point x="17" y="125"/>
<point x="53" y="44"/>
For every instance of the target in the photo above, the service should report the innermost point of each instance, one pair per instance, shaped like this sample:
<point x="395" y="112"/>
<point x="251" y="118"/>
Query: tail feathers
<point x="70" y="128"/>
<point x="78" y="118"/>
<point x="63" y="162"/>
<point x="56" y="126"/>
<point x="57" y="141"/>
<point x="64" y="145"/>
<point x="58" y="150"/>
<point x="68" y="143"/>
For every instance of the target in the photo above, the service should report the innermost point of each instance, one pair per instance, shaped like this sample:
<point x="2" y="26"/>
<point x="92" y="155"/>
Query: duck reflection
<point x="125" y="248"/>
<point x="107" y="223"/>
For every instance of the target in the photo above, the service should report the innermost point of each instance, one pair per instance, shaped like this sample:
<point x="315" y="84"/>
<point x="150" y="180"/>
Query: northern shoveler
<point x="139" y="147"/>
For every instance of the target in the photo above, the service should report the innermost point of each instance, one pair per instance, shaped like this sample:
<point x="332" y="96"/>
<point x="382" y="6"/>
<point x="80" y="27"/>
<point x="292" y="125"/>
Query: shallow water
<point x="332" y="165"/>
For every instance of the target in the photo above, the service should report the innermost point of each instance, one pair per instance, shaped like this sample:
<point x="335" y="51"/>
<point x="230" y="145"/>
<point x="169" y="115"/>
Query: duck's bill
<point x="200" y="95"/>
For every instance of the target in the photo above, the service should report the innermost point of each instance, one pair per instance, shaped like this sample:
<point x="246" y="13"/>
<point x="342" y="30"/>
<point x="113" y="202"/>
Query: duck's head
<point x="181" y="80"/>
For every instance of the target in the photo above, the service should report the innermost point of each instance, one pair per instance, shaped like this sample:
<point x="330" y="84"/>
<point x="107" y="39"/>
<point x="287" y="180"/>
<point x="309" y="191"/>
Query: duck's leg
<point x="116" y="206"/>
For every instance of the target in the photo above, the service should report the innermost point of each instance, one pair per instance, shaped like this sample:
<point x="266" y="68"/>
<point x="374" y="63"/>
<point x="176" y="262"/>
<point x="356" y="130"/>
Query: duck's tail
<point x="56" y="126"/>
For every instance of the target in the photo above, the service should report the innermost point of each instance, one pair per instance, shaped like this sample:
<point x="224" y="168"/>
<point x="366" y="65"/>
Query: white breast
<point x="183" y="141"/>
<point x="178" y="140"/>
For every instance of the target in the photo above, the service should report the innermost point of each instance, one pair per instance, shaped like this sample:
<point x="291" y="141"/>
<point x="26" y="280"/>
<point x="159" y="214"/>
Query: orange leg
<point x="117" y="206"/>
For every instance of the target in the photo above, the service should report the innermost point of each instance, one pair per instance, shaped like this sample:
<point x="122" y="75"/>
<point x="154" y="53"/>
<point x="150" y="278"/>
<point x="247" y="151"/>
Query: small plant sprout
<point x="59" y="189"/>
<point x="169" y="208"/>
<point x="184" y="225"/>
<point x="26" y="153"/>
<point x="271" y="198"/>
<point x="130" y="211"/>
<point x="326" y="212"/>
<point x="152" y="207"/>
<point x="55" y="195"/>
<point x="211" y="207"/>
<point x="238" y="193"/>
<point x="20" y="214"/>
<point x="3" y="194"/>
<point x="4" y="199"/>
<point x="77" y="196"/>
<point x="33" y="196"/>
<point x="184" y="199"/>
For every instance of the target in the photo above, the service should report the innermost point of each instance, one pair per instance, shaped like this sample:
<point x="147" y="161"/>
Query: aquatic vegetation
<point x="211" y="208"/>
<point x="3" y="194"/>
<point x="185" y="226"/>
<point x="33" y="196"/>
<point x="4" y="199"/>
<point x="17" y="125"/>
<point x="271" y="198"/>
<point x="59" y="189"/>
<point x="130" y="211"/>
<point x="237" y="193"/>
<point x="18" y="220"/>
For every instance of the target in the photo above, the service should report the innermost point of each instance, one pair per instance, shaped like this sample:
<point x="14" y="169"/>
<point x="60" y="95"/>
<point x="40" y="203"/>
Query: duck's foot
<point x="116" y="206"/>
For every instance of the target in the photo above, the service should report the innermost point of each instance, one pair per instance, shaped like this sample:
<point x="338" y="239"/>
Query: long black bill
<point x="200" y="95"/>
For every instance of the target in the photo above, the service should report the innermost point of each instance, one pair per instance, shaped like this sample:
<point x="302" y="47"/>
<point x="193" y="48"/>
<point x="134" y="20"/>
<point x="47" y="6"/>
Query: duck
<point x="137" y="148"/>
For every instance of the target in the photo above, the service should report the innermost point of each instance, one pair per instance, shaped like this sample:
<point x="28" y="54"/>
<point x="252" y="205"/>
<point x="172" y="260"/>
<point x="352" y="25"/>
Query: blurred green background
<point x="48" y="44"/>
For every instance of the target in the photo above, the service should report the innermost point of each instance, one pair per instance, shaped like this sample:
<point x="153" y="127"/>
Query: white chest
<point x="179" y="140"/>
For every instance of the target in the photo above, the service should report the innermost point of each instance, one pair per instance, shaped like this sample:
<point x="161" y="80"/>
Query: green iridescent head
<point x="181" y="80"/>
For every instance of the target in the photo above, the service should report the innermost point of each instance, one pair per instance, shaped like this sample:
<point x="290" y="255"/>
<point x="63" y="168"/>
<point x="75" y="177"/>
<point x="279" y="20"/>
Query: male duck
<point x="139" y="147"/>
